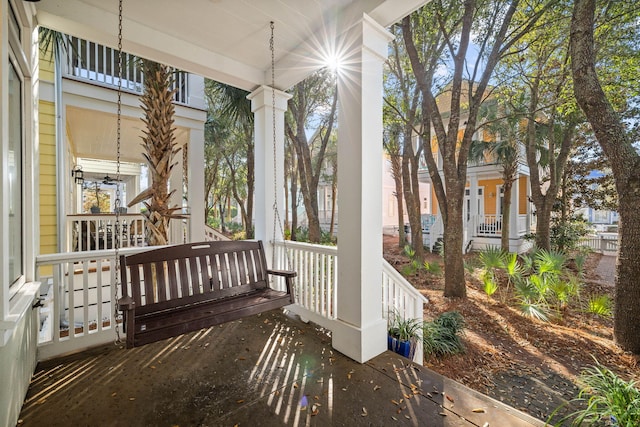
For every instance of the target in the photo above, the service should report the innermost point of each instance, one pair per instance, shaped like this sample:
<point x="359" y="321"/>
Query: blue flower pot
<point x="403" y="348"/>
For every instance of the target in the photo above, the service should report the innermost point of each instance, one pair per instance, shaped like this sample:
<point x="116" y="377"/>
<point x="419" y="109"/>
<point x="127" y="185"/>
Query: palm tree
<point x="160" y="150"/>
<point x="233" y="105"/>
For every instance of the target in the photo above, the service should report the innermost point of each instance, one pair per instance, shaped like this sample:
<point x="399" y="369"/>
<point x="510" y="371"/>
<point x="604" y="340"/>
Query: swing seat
<point x="173" y="290"/>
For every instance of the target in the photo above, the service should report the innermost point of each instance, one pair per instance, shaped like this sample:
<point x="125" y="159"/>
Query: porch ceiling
<point x="225" y="40"/>
<point x="93" y="135"/>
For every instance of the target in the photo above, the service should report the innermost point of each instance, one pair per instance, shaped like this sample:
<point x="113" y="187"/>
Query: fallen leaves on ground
<point x="527" y="364"/>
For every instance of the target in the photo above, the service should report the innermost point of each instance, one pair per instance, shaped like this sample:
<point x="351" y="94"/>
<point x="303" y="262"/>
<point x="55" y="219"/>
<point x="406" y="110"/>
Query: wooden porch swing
<point x="173" y="290"/>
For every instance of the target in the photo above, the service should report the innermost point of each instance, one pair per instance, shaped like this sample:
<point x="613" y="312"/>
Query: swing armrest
<point x="126" y="303"/>
<point x="288" y="276"/>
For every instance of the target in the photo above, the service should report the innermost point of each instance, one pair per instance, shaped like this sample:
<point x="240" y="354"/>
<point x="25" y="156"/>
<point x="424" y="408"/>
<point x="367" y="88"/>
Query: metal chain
<point x="276" y="216"/>
<point x="118" y="202"/>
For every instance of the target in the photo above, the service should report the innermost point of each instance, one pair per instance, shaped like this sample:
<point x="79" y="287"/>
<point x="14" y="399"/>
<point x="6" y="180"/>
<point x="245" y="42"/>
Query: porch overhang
<point x="224" y="41"/>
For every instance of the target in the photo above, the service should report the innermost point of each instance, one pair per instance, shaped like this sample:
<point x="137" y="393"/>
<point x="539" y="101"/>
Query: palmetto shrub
<point x="441" y="337"/>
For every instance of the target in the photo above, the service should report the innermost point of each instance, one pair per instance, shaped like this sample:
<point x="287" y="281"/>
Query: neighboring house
<point x="78" y="149"/>
<point x="49" y="124"/>
<point x="482" y="209"/>
<point x="389" y="201"/>
<point x="602" y="219"/>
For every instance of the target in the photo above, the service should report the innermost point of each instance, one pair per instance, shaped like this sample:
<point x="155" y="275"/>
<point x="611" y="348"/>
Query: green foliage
<point x="492" y="257"/>
<point x="599" y="305"/>
<point x="566" y="236"/>
<point x="415" y="264"/>
<point x="302" y="235"/>
<point x="403" y="329"/>
<point x="490" y="284"/>
<point x="609" y="400"/>
<point x="549" y="262"/>
<point x="433" y="268"/>
<point x="441" y="337"/>
<point x="579" y="260"/>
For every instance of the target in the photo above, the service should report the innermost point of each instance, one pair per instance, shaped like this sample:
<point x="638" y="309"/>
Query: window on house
<point x="13" y="180"/>
<point x="14" y="185"/>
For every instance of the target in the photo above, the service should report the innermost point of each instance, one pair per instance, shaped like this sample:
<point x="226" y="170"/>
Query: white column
<point x="469" y="227"/>
<point x="513" y="213"/>
<point x="361" y="330"/>
<point x="268" y="169"/>
<point x="176" y="184"/>
<point x="195" y="185"/>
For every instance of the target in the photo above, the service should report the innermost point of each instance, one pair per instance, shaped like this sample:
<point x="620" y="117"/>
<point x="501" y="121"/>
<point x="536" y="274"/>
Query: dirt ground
<point x="528" y="364"/>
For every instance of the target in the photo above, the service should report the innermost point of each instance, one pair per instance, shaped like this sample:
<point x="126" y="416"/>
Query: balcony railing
<point x="91" y="232"/>
<point x="96" y="63"/>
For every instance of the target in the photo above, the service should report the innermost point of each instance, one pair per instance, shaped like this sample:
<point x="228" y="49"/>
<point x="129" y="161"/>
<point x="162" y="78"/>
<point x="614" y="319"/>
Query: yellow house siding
<point x="47" y="197"/>
<point x="490" y="188"/>
<point x="46" y="66"/>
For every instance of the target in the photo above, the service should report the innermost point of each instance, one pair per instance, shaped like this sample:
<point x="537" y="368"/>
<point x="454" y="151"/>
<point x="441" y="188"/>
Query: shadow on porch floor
<point x="268" y="370"/>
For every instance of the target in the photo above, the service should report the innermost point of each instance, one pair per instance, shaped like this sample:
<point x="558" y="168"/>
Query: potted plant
<point x="403" y="335"/>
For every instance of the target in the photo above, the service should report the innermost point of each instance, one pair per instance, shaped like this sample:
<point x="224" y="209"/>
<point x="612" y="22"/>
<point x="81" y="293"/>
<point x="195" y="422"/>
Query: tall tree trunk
<point x="625" y="165"/>
<point x="453" y="241"/>
<point x="397" y="179"/>
<point x="411" y="199"/>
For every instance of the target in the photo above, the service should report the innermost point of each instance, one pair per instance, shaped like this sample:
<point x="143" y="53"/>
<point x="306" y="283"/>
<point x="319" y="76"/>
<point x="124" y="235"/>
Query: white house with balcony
<point x="224" y="41"/>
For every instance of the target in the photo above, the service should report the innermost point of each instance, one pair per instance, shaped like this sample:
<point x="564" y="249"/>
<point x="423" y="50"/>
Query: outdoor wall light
<point x="77" y="174"/>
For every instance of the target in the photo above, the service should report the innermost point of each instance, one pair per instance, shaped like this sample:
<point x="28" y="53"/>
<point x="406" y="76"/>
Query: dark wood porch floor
<point x="268" y="370"/>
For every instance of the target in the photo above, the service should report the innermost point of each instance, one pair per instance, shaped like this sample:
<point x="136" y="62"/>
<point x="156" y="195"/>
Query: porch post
<point x="266" y="193"/>
<point x="195" y="184"/>
<point x="514" y="214"/>
<point x="473" y="209"/>
<point x="360" y="331"/>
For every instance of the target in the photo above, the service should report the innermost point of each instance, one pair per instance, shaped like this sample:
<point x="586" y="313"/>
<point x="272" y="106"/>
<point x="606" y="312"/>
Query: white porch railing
<point x="487" y="225"/>
<point x="399" y="296"/>
<point x="317" y="285"/>
<point x="78" y="290"/>
<point x="600" y="243"/>
<point x="91" y="232"/>
<point x="211" y="234"/>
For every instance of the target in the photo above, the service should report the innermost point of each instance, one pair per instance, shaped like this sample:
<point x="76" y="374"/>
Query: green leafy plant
<point x="549" y="262"/>
<point x="433" y="268"/>
<point x="580" y="259"/>
<point x="608" y="399"/>
<point x="490" y="285"/>
<point x="530" y="294"/>
<point x="492" y="258"/>
<point x="513" y="268"/>
<point x="441" y="336"/>
<point x="599" y="305"/>
<point x="403" y="329"/>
